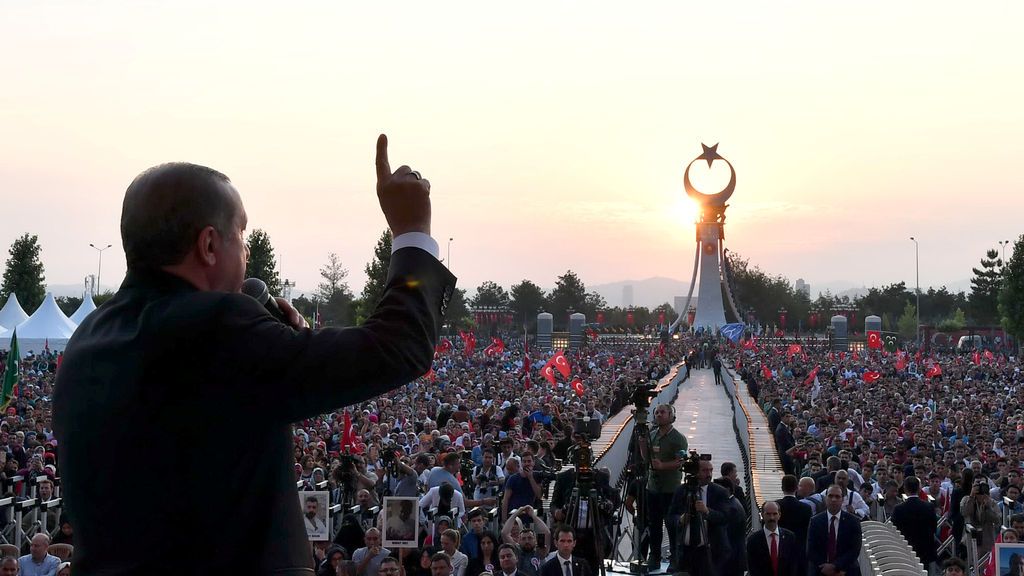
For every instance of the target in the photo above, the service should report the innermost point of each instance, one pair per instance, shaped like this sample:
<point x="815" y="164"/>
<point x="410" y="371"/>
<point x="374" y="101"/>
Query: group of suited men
<point x="794" y="541"/>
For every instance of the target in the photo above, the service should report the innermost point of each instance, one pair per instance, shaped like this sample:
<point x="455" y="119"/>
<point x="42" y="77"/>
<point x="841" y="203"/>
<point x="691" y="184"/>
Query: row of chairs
<point x="887" y="552"/>
<point x="62" y="551"/>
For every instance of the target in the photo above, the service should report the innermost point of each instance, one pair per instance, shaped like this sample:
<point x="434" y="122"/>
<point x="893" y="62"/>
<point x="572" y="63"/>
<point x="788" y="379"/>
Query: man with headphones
<point x="667" y="445"/>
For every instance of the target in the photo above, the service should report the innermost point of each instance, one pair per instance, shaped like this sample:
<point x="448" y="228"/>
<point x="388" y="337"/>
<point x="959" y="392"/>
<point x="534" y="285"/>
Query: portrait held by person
<point x="124" y="394"/>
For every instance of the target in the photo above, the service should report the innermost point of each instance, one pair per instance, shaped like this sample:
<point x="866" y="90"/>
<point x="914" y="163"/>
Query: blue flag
<point x="733" y="331"/>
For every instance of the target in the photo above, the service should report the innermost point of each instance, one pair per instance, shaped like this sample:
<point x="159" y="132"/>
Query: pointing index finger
<point x="383" y="167"/>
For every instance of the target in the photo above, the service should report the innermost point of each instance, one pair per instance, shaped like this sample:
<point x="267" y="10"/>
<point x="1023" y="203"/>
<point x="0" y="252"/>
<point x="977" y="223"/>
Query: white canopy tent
<point x="48" y="326"/>
<point x="86" y="307"/>
<point x="12" y="314"/>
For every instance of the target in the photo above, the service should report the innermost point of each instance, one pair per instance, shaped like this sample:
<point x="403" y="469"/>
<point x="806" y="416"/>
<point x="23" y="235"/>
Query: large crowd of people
<point x="899" y="432"/>
<point x="481" y="434"/>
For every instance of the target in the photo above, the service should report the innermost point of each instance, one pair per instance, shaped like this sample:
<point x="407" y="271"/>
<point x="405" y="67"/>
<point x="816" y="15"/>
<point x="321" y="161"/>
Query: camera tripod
<point x="634" y="482"/>
<point x="583" y="510"/>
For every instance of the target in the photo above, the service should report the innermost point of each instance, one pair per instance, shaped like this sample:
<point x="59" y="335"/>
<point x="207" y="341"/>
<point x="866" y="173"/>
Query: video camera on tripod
<point x="691" y="467"/>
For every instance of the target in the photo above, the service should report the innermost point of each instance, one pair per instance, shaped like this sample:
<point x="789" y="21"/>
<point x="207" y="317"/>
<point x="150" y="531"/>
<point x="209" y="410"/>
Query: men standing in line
<point x="794" y="516"/>
<point x="834" y="539"/>
<point x="915" y="519"/>
<point x="773" y="550"/>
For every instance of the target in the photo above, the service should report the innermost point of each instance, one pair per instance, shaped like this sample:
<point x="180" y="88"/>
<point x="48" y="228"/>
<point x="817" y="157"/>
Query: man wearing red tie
<point x="833" y="539"/>
<point x="772" y="551"/>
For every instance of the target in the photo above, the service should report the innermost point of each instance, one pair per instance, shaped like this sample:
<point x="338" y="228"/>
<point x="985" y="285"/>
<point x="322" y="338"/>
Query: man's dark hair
<point x="789" y="483"/>
<point x="423" y="459"/>
<point x="911" y="485"/>
<point x="507" y="546"/>
<point x="312" y="499"/>
<point x="564" y="529"/>
<point x="727" y="468"/>
<point x="1019" y="518"/>
<point x="451" y="458"/>
<point x="833" y="463"/>
<point x="441" y="557"/>
<point x="391" y="560"/>
<point x="954" y="561"/>
<point x="167" y="206"/>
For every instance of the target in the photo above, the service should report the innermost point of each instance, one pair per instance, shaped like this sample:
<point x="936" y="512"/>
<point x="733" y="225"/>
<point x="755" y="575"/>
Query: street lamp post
<point x="917" y="281"/>
<point x="99" y="266"/>
<point x="1002" y="244"/>
<point x="448" y="257"/>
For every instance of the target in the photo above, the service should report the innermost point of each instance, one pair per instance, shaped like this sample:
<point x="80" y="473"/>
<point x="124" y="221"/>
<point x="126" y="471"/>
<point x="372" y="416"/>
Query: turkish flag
<point x="661" y="349"/>
<point x="901" y="363"/>
<point x="661" y="317"/>
<point x="810" y="377"/>
<point x="976" y="358"/>
<point x="577" y="386"/>
<point x="497" y="348"/>
<point x="933" y="371"/>
<point x="526" y="382"/>
<point x="766" y="372"/>
<point x="989" y="355"/>
<point x="870" y="377"/>
<point x="611" y="360"/>
<point x="874" y="339"/>
<point x="561" y="363"/>
<point x="526" y="364"/>
<point x="549" y="373"/>
<point x="430" y="376"/>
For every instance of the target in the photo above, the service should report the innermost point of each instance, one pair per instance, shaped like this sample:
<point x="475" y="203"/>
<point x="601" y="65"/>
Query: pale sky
<point x="554" y="134"/>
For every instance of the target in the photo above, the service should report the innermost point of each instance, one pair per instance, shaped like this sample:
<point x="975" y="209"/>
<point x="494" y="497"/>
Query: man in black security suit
<point x="915" y="519"/>
<point x="794" y="516"/>
<point x="179" y="356"/>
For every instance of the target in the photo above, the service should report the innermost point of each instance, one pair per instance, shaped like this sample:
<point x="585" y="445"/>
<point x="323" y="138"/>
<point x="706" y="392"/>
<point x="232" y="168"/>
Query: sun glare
<point x="684" y="210"/>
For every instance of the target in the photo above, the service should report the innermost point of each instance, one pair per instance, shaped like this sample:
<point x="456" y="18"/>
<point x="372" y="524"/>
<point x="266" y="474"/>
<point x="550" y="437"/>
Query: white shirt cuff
<point x="415" y="240"/>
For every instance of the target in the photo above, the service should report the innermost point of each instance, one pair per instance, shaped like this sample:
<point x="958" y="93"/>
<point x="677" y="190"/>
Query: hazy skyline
<point x="554" y="136"/>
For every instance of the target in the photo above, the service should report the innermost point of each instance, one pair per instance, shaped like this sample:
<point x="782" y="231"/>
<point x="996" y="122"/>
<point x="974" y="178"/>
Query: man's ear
<point x="207" y="246"/>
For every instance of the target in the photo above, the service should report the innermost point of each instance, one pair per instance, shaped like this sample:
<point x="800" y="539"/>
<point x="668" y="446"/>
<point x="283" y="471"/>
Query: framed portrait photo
<point x="314" y="515"/>
<point x="401" y="522"/>
<point x="1009" y="559"/>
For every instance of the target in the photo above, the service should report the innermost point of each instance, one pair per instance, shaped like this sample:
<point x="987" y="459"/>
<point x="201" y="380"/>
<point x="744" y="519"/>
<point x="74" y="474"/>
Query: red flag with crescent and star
<point x="870" y="377"/>
<point x="346" y="432"/>
<point x="548" y="371"/>
<point x="497" y="348"/>
<point x="766" y="372"/>
<point x="874" y="339"/>
<point x="561" y="363"/>
<point x="577" y="386"/>
<point x="933" y="371"/>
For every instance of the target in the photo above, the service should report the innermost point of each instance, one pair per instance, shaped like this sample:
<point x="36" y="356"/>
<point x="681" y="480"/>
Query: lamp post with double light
<point x="99" y="266"/>
<point x="917" y="290"/>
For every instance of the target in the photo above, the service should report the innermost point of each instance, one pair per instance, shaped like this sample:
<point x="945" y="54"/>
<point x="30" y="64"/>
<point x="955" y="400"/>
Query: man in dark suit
<point x="762" y="560"/>
<point x="795" y="516"/>
<point x="785" y="444"/>
<point x="562" y="562"/>
<point x="701" y="518"/>
<point x="178" y="356"/>
<point x="827" y="477"/>
<point x="834" y="539"/>
<point x="915" y="519"/>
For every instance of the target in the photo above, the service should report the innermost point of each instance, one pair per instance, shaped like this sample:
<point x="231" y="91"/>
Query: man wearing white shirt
<point x="852" y="502"/>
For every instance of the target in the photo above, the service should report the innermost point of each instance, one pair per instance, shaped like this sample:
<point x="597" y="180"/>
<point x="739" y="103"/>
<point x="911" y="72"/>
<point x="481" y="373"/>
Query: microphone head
<point x="257" y="289"/>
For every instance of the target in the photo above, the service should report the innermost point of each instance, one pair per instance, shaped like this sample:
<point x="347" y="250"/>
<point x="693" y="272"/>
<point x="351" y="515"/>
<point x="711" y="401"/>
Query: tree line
<point x="996" y="296"/>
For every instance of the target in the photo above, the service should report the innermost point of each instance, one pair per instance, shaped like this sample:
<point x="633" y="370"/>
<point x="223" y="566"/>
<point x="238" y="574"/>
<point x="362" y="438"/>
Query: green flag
<point x="10" y="372"/>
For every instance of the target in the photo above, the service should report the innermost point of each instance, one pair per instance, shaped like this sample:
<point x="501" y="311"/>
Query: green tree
<point x="24" y="273"/>
<point x="591" y="304"/>
<point x="569" y="293"/>
<point x="985" y="288"/>
<point x="262" y="263"/>
<point x="907" y="324"/>
<point x="336" y="303"/>
<point x="955" y="322"/>
<point x="68" y="304"/>
<point x="490" y="294"/>
<point x="1011" y="296"/>
<point x="890" y="300"/>
<point x="376" y="277"/>
<point x="457" y="314"/>
<point x="766" y="294"/>
<point x="527" y="299"/>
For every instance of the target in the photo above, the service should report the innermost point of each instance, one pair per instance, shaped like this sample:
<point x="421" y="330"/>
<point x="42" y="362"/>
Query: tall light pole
<point x="1002" y="244"/>
<point x="99" y="266"/>
<point x="917" y="281"/>
<point x="448" y="257"/>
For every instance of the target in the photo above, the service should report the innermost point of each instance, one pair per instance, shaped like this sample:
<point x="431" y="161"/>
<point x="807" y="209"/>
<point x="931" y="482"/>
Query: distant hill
<point x="650" y="292"/>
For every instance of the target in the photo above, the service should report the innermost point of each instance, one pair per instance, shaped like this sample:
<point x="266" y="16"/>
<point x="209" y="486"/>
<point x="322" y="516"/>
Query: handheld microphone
<point x="257" y="289"/>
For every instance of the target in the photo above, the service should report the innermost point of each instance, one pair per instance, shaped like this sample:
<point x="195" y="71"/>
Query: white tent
<point x="11" y="315"/>
<point x="48" y="326"/>
<point x="86" y="307"/>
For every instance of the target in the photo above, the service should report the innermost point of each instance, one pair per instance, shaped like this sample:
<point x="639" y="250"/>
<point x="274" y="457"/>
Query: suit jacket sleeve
<point x="290" y="375"/>
<point x="755" y="554"/>
<point x="849" y="551"/>
<point x="817" y="542"/>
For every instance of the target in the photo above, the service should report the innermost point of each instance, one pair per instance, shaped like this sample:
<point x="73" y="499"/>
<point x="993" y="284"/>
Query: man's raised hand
<point x="403" y="194"/>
